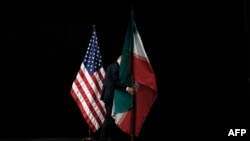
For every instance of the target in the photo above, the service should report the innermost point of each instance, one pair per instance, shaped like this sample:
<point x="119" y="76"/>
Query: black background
<point x="197" y="50"/>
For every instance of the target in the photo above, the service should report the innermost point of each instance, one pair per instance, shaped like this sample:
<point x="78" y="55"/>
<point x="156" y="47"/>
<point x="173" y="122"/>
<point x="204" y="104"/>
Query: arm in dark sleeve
<point x="116" y="80"/>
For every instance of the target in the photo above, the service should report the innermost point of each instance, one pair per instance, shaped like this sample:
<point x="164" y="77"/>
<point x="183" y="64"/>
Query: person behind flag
<point x="111" y="82"/>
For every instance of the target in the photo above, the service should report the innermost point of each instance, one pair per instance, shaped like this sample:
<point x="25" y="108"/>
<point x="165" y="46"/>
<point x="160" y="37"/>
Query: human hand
<point x="131" y="90"/>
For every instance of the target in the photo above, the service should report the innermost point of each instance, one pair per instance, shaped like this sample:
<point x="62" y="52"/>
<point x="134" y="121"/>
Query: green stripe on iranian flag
<point x="146" y="90"/>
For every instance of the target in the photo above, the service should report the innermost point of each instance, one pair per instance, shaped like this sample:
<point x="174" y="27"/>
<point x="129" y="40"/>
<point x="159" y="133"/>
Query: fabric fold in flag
<point x="87" y="86"/>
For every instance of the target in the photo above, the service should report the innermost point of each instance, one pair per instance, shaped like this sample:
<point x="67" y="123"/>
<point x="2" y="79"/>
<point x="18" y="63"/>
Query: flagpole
<point x="132" y="76"/>
<point x="133" y="118"/>
<point x="89" y="138"/>
<point x="134" y="95"/>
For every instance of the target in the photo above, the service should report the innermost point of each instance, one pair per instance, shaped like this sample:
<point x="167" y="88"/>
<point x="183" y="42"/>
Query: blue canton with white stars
<point x="93" y="58"/>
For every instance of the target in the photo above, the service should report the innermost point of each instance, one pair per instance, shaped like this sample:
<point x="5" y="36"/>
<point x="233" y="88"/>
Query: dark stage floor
<point x="52" y="139"/>
<point x="44" y="139"/>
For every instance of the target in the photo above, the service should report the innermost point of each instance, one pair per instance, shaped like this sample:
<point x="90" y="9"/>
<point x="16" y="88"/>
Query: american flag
<point x="87" y="86"/>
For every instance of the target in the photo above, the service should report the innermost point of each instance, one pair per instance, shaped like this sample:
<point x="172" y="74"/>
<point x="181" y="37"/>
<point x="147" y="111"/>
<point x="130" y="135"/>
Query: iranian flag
<point x="130" y="112"/>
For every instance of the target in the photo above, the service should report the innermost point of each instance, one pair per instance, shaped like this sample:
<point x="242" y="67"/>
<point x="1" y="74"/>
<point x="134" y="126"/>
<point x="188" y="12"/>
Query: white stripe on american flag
<point x="87" y="91"/>
<point x="88" y="102"/>
<point x="100" y="78"/>
<point x="87" y="112"/>
<point x="94" y="88"/>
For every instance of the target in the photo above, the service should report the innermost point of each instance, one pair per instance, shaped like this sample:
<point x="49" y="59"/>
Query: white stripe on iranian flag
<point x="146" y="91"/>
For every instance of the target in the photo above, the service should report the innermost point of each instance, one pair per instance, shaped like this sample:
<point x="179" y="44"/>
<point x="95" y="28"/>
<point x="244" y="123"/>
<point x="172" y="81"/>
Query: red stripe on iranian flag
<point x="146" y="91"/>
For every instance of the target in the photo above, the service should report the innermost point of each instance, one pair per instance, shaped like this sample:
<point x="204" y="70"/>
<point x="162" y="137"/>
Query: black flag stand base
<point x="89" y="138"/>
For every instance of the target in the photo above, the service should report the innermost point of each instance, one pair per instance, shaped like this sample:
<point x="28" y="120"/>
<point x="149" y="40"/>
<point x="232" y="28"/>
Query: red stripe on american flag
<point x="100" y="74"/>
<point x="99" y="94"/>
<point x="86" y="117"/>
<point x="89" y="91"/>
<point x="94" y="94"/>
<point x="86" y="82"/>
